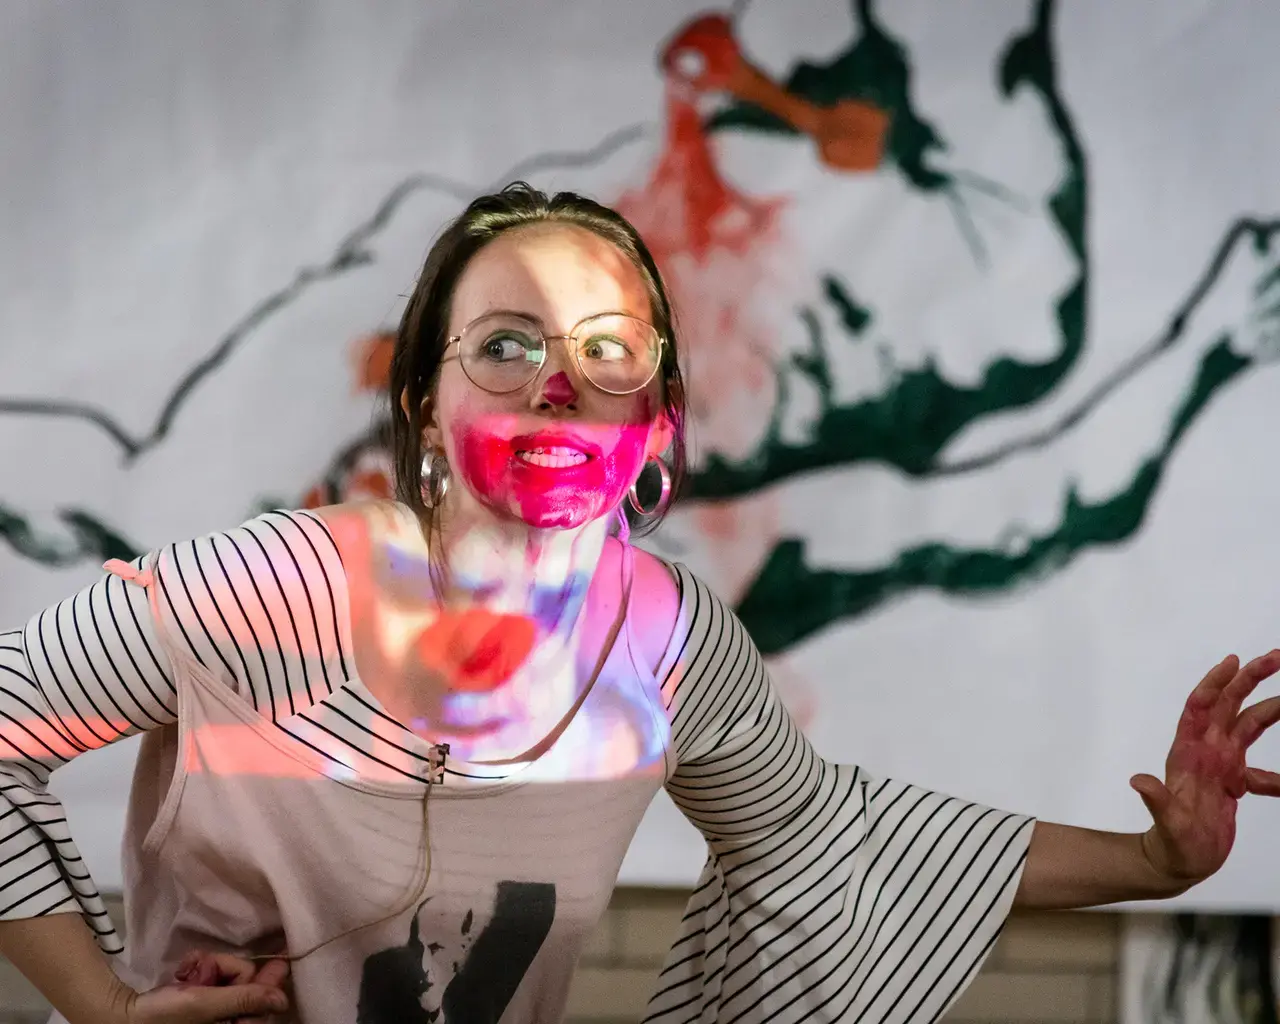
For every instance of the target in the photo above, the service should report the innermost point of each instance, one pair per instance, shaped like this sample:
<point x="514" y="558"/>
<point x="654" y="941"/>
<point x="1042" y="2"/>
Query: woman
<point x="403" y="746"/>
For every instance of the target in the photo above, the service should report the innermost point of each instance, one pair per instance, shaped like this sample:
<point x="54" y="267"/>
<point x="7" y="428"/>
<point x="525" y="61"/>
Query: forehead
<point x="559" y="273"/>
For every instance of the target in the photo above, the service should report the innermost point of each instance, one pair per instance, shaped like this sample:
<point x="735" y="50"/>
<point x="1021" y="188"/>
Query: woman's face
<point x="559" y="452"/>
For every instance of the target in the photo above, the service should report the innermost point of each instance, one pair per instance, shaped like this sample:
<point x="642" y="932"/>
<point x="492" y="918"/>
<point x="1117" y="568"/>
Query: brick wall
<point x="1046" y="968"/>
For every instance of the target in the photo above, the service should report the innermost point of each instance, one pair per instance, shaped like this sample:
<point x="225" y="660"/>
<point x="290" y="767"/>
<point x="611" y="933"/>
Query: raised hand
<point x="1194" y="809"/>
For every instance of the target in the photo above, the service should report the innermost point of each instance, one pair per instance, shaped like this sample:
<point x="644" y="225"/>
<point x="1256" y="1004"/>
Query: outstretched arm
<point x="1193" y="810"/>
<point x="828" y="894"/>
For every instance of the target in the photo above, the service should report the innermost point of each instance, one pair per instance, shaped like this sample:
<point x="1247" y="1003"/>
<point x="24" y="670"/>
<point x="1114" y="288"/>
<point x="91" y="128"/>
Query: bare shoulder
<point x="357" y="525"/>
<point x="656" y="604"/>
<point x="361" y="514"/>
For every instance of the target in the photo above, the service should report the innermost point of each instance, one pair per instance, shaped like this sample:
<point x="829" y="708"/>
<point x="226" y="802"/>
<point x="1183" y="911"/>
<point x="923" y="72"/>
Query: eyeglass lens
<point x="503" y="352"/>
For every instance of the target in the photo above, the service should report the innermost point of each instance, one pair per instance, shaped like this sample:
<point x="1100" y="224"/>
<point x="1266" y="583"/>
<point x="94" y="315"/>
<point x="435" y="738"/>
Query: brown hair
<point x="423" y="331"/>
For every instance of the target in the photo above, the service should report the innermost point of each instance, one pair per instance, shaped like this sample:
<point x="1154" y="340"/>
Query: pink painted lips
<point x="555" y="457"/>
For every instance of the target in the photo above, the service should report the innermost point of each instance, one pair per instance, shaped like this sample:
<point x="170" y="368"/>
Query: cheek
<point x="482" y="459"/>
<point x="634" y="435"/>
<point x="623" y="463"/>
<point x="479" y="451"/>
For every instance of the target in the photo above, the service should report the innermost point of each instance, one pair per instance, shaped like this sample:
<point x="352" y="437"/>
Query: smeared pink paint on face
<point x="555" y="477"/>
<point x="559" y="389"/>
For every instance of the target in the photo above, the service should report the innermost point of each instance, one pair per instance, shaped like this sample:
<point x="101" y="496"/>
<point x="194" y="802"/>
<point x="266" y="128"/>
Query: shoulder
<point x="657" y="602"/>
<point x="357" y="527"/>
<point x="683" y="625"/>
<point x="264" y="605"/>
<point x="285" y="551"/>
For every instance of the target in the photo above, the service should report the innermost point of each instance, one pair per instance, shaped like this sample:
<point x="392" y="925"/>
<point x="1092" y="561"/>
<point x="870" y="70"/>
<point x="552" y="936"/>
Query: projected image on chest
<point x="467" y="975"/>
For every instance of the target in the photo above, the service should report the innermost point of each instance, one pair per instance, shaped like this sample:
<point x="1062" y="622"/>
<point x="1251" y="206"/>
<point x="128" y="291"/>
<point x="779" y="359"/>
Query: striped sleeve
<point x="258" y="605"/>
<point x="263" y="607"/>
<point x="82" y="674"/>
<point x="827" y="894"/>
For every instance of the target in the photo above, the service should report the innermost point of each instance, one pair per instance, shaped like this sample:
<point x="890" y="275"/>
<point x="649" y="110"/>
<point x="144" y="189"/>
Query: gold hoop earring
<point x="435" y="478"/>
<point x="664" y="494"/>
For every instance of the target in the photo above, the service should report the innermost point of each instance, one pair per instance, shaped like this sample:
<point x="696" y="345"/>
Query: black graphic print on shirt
<point x="396" y="985"/>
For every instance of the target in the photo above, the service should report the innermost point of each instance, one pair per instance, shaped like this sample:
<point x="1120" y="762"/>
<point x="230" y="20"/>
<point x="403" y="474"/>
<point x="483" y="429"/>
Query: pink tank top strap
<point x="638" y="663"/>
<point x="145" y="576"/>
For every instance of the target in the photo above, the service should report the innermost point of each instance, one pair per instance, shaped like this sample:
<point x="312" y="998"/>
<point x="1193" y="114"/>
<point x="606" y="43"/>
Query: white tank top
<point x="242" y="838"/>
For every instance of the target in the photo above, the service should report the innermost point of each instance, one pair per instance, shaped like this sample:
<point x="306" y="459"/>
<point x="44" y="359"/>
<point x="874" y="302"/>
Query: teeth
<point x="553" y="458"/>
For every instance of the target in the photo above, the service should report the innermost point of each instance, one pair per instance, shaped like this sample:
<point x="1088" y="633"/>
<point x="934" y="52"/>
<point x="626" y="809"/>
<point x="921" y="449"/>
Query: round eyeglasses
<point x="502" y="352"/>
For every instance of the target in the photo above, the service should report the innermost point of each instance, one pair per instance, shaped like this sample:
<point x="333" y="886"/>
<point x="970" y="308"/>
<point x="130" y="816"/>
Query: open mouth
<point x="553" y="457"/>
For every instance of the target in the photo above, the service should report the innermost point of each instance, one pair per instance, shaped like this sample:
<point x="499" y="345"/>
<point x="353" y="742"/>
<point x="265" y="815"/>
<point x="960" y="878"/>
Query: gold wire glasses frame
<point x="504" y="352"/>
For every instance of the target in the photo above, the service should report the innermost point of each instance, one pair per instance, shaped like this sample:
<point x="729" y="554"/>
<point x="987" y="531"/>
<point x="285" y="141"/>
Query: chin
<point x="568" y="514"/>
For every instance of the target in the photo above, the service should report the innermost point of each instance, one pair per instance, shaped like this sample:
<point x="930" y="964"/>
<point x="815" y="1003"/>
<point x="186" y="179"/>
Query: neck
<point x="511" y="567"/>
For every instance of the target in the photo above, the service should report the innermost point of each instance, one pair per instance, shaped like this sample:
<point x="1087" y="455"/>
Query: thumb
<point x="219" y="1004"/>
<point x="274" y="973"/>
<point x="1155" y="794"/>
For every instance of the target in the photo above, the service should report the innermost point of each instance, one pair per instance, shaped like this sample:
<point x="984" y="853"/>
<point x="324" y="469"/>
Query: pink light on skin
<point x="487" y="673"/>
<point x="536" y="476"/>
<point x="559" y="453"/>
<point x="475" y="649"/>
<point x="557" y="477"/>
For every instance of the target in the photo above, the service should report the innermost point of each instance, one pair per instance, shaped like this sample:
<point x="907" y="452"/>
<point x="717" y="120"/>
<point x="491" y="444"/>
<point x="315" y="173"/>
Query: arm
<point x="80" y="675"/>
<point x="1193" y="810"/>
<point x="1069" y="868"/>
<point x="49" y="950"/>
<point x="827" y="893"/>
<point x="53" y="950"/>
<point x="258" y="606"/>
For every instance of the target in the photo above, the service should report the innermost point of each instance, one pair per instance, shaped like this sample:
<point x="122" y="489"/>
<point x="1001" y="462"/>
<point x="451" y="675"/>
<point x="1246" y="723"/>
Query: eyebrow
<point x="523" y="314"/>
<point x="526" y="315"/>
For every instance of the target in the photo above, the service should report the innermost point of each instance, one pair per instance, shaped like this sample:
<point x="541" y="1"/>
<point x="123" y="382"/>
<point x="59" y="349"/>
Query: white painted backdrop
<point x="167" y="167"/>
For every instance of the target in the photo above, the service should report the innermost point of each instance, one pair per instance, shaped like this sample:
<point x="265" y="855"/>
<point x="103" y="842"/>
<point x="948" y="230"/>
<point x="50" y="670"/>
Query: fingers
<point x="273" y="972"/>
<point x="1211" y="686"/>
<point x="187" y="965"/>
<point x="1246" y="680"/>
<point x="234" y="1002"/>
<point x="202" y="967"/>
<point x="1203" y="707"/>
<point x="1261" y="782"/>
<point x="1257" y="719"/>
<point x="1154" y="794"/>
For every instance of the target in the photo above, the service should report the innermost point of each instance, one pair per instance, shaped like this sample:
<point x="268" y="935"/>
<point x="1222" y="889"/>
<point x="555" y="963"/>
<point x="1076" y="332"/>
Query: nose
<point x="559" y="391"/>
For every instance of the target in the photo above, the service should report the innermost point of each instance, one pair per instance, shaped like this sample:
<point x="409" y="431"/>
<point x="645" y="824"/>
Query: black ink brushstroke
<point x="350" y="253"/>
<point x="88" y="537"/>
<point x="1262" y="232"/>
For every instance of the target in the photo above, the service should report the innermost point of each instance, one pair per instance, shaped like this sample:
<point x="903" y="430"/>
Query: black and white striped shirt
<point x="826" y="894"/>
